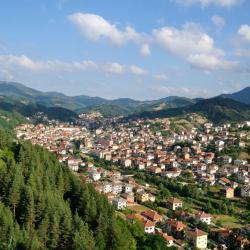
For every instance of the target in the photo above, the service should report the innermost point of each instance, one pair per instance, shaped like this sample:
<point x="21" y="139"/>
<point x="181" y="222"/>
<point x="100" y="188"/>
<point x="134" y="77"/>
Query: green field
<point x="227" y="221"/>
<point x="137" y="208"/>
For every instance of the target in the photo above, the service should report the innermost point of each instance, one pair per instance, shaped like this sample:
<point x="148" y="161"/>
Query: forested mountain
<point x="240" y="96"/>
<point x="216" y="109"/>
<point x="20" y="92"/>
<point x="85" y="104"/>
<point x="45" y="206"/>
<point x="9" y="120"/>
<point x="26" y="108"/>
<point x="125" y="107"/>
<point x="59" y="106"/>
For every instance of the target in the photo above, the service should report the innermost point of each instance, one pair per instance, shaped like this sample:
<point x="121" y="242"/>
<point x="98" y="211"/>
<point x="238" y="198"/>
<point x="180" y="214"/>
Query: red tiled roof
<point x="152" y="215"/>
<point x="149" y="223"/>
<point x="196" y="233"/>
<point x="202" y="214"/>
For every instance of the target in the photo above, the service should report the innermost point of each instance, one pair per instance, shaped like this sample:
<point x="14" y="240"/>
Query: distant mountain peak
<point x="241" y="95"/>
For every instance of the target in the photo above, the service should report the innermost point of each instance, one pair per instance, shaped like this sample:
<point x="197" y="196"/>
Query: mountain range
<point x="84" y="103"/>
<point x="215" y="109"/>
<point x="27" y="101"/>
<point x="240" y="96"/>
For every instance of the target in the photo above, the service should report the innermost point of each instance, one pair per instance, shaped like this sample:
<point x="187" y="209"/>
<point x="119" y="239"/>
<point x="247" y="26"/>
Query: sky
<point x="141" y="49"/>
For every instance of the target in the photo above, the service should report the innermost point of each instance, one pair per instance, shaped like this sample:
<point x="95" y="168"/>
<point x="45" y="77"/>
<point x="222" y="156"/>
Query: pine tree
<point x="14" y="191"/>
<point x="82" y="237"/>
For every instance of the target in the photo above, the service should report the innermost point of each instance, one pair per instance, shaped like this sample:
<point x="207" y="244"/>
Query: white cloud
<point x="210" y="62"/>
<point x="11" y="62"/>
<point x="170" y="90"/>
<point x="218" y="21"/>
<point x="194" y="45"/>
<point x="189" y="39"/>
<point x="36" y="66"/>
<point x="95" y="27"/>
<point x="22" y="61"/>
<point x="205" y="3"/>
<point x="114" y="68"/>
<point x="145" y="50"/>
<point x="85" y="65"/>
<point x="137" y="70"/>
<point x="161" y="77"/>
<point x="244" y="32"/>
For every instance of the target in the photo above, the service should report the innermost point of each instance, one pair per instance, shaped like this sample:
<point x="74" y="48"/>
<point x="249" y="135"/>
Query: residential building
<point x="174" y="203"/>
<point x="197" y="237"/>
<point x="119" y="203"/>
<point x="203" y="217"/>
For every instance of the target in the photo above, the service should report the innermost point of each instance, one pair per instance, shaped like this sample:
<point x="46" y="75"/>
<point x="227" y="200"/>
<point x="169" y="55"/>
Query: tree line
<point x="45" y="206"/>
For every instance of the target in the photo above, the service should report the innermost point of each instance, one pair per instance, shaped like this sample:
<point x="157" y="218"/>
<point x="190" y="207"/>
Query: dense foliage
<point x="82" y="104"/>
<point x="216" y="109"/>
<point x="30" y="109"/>
<point x="240" y="96"/>
<point x="44" y="206"/>
<point x="9" y="120"/>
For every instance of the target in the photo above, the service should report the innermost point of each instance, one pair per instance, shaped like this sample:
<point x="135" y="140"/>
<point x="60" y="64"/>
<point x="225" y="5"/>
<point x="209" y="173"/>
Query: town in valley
<point x="185" y="179"/>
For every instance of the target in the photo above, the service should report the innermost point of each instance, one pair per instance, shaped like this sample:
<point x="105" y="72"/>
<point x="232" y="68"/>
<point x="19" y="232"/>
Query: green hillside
<point x="86" y="104"/>
<point x="216" y="109"/>
<point x="9" y="120"/>
<point x="240" y="96"/>
<point x="27" y="101"/>
<point x="45" y="206"/>
<point x="126" y="107"/>
<point x="26" y="109"/>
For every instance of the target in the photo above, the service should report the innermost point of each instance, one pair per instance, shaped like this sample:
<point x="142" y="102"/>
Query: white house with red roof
<point x="201" y="216"/>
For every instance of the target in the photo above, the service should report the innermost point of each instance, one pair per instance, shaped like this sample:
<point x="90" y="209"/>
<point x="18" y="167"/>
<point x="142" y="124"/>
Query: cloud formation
<point x="189" y="42"/>
<point x="194" y="45"/>
<point x="8" y="62"/>
<point x="160" y="77"/>
<point x="218" y="21"/>
<point x="244" y="32"/>
<point x="145" y="49"/>
<point x="205" y="3"/>
<point x="180" y="91"/>
<point x="210" y="62"/>
<point x="95" y="27"/>
<point x="137" y="70"/>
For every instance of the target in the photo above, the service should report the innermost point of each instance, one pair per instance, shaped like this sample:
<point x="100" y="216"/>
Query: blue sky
<point x="134" y="48"/>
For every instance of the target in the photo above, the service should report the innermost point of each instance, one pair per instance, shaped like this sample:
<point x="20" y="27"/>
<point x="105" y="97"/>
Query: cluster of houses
<point x="120" y="190"/>
<point x="135" y="145"/>
<point x="174" y="231"/>
<point x="123" y="192"/>
<point x="58" y="138"/>
<point x="164" y="153"/>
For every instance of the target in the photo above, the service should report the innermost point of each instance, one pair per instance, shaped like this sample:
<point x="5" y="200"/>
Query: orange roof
<point x="151" y="215"/>
<point x="196" y="233"/>
<point x="149" y="223"/>
<point x="135" y="216"/>
<point x="202" y="214"/>
<point x="176" y="223"/>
